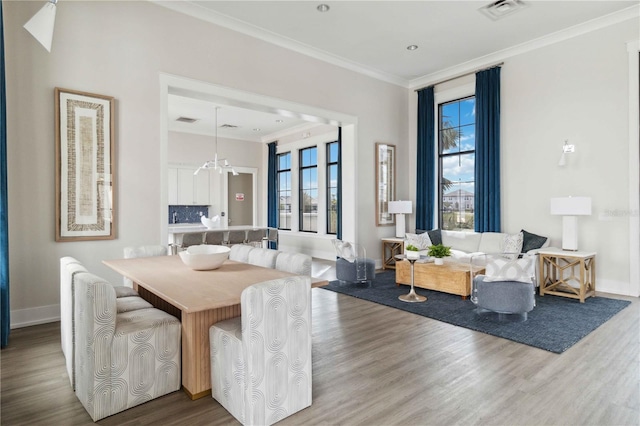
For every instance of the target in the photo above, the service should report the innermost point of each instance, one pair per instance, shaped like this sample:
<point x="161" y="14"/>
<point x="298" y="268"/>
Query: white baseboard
<point x="614" y="287"/>
<point x="318" y="253"/>
<point x="34" y="316"/>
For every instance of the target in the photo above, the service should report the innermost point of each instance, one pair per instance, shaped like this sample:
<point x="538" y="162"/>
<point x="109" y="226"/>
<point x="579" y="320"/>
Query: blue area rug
<point x="555" y="324"/>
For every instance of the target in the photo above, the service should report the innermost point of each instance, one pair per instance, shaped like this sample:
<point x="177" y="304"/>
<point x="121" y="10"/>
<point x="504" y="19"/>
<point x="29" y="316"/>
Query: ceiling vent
<point x="186" y="120"/>
<point x="501" y="8"/>
<point x="228" y="126"/>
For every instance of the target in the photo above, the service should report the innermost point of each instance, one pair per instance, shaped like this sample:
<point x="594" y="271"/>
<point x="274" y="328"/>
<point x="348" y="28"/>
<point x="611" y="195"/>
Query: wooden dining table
<point x="199" y="299"/>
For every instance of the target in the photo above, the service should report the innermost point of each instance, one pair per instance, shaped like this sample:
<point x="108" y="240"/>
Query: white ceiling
<point x="250" y="125"/>
<point x="371" y="37"/>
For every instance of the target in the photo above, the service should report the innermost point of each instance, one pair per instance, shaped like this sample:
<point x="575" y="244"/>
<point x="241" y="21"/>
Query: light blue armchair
<point x="507" y="286"/>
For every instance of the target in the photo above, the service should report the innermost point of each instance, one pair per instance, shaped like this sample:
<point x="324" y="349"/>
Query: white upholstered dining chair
<point x="296" y="263"/>
<point x="261" y="361"/>
<point x="127" y="300"/>
<point x="69" y="267"/>
<point x="121" y="359"/>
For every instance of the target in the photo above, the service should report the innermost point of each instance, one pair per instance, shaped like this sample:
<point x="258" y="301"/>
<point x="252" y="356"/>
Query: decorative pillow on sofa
<point x="532" y="241"/>
<point x="512" y="244"/>
<point x="435" y="236"/>
<point x="421" y="241"/>
<point x="520" y="270"/>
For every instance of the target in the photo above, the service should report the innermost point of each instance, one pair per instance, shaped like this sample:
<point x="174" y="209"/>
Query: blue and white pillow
<point x="421" y="241"/>
<point x="512" y="245"/>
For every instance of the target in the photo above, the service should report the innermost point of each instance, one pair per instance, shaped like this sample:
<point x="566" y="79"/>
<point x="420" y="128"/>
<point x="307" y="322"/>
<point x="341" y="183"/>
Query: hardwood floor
<point x="374" y="365"/>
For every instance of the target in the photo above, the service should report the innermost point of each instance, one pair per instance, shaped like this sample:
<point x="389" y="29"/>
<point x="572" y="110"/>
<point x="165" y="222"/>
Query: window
<point x="456" y="155"/>
<point x="284" y="190"/>
<point x="309" y="189"/>
<point x="333" y="165"/>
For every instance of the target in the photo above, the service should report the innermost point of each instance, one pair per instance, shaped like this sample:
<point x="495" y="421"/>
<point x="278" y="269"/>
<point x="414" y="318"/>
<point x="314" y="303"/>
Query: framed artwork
<point x="85" y="191"/>
<point x="385" y="183"/>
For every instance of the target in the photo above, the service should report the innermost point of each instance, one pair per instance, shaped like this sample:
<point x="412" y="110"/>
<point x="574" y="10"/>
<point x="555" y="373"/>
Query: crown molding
<point x="196" y="11"/>
<point x="632" y="12"/>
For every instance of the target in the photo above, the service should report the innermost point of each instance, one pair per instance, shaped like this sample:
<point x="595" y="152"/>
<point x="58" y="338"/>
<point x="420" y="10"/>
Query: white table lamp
<point x="400" y="208"/>
<point x="569" y="208"/>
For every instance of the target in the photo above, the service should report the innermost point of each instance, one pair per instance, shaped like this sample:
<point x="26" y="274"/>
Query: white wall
<point x="120" y="49"/>
<point x="578" y="90"/>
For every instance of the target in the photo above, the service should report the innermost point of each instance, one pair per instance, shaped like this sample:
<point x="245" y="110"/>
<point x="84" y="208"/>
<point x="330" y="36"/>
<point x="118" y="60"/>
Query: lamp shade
<point x="41" y="24"/>
<point x="571" y="206"/>
<point x="396" y="207"/>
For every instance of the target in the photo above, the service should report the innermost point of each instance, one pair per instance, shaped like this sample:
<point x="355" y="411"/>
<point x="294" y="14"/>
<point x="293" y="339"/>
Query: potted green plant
<point x="412" y="252"/>
<point x="439" y="251"/>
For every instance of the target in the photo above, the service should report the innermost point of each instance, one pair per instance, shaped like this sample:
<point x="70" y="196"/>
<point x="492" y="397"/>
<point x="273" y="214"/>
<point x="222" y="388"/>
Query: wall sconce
<point x="566" y="149"/>
<point x="400" y="208"/>
<point x="41" y="24"/>
<point x="569" y="208"/>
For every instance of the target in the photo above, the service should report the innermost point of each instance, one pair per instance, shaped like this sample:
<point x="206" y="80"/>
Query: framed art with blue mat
<point x="555" y="324"/>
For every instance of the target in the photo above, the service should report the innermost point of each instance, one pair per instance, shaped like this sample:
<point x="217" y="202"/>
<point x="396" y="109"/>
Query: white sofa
<point x="465" y="244"/>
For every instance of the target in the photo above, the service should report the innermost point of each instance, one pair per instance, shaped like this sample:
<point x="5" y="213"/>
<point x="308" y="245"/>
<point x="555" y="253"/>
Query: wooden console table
<point x="451" y="277"/>
<point x="391" y="247"/>
<point x="558" y="272"/>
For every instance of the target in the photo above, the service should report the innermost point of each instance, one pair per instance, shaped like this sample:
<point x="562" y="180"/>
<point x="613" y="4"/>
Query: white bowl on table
<point x="204" y="257"/>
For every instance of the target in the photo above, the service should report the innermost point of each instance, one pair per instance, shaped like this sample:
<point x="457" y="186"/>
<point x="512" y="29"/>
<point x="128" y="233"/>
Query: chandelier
<point x="219" y="164"/>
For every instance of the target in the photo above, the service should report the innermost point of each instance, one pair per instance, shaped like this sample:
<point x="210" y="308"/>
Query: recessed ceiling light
<point x="256" y="129"/>
<point x="323" y="7"/>
<point x="412" y="47"/>
<point x="279" y="121"/>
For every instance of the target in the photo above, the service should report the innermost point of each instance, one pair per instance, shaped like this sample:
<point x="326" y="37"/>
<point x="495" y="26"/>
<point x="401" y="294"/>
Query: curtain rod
<point x="460" y="76"/>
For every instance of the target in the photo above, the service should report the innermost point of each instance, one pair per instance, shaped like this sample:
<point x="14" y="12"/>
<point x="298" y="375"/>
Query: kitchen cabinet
<point x="185" y="188"/>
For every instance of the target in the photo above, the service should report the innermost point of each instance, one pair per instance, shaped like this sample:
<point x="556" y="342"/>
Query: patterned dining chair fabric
<point x="240" y="253"/>
<point x="261" y="362"/>
<point x="296" y="263"/>
<point x="69" y="267"/>
<point x="263" y="257"/>
<point x="121" y="359"/>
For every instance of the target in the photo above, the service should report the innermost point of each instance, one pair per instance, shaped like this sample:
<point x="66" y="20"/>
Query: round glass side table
<point x="412" y="296"/>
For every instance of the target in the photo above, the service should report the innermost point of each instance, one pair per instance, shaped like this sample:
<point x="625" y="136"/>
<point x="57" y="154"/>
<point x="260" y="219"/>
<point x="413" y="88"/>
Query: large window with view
<point x="309" y="189"/>
<point x="456" y="148"/>
<point x="284" y="190"/>
<point x="333" y="151"/>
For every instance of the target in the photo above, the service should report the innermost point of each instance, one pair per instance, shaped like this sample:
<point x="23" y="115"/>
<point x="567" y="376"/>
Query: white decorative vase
<point x="438" y="261"/>
<point x="412" y="254"/>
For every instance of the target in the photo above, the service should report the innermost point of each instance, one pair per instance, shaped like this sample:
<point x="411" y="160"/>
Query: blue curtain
<point x="5" y="315"/>
<point x="425" y="168"/>
<point x="487" y="199"/>
<point x="339" y="206"/>
<point x="272" y="187"/>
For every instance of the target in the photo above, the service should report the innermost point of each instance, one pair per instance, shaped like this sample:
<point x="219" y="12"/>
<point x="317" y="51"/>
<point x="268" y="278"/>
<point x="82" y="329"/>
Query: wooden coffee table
<point x="451" y="277"/>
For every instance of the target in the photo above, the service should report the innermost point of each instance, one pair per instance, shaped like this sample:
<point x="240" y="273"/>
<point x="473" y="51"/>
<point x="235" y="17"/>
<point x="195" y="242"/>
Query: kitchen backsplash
<point x="187" y="214"/>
